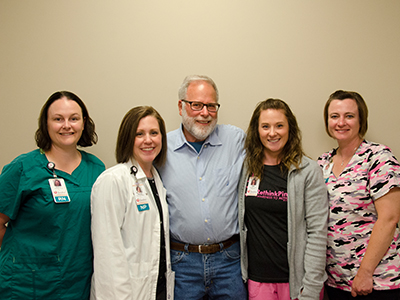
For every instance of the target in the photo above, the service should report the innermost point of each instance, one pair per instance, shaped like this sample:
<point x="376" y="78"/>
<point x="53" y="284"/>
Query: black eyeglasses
<point x="197" y="106"/>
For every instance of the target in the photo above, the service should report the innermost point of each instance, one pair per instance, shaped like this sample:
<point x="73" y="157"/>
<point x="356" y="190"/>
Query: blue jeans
<point x="217" y="275"/>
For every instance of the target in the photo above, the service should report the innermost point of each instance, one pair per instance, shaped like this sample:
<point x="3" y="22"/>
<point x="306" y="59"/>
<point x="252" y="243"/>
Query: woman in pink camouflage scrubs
<point x="363" y="180"/>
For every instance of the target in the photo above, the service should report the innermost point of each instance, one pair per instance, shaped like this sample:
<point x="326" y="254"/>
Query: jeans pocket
<point x="233" y="252"/>
<point x="176" y="256"/>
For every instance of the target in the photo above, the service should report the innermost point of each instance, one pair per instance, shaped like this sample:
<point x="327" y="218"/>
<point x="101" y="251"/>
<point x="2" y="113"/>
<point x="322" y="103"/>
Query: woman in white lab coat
<point x="130" y="229"/>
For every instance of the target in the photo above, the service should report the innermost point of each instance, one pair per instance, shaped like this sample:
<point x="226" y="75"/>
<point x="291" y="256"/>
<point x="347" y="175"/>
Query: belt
<point x="205" y="249"/>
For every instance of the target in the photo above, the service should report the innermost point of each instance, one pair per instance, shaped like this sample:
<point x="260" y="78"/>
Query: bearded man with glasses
<point x="201" y="175"/>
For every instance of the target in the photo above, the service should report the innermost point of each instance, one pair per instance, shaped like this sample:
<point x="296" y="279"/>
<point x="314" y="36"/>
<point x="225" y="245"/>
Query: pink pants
<point x="271" y="291"/>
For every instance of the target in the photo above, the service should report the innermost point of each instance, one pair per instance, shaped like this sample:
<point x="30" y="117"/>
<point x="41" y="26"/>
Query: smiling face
<point x="65" y="123"/>
<point x="273" y="129"/>
<point x="198" y="125"/>
<point x="147" y="142"/>
<point x="343" y="120"/>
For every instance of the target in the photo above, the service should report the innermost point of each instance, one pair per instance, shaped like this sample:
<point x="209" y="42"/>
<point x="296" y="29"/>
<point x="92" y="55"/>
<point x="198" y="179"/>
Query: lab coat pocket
<point x="141" y="287"/>
<point x="41" y="277"/>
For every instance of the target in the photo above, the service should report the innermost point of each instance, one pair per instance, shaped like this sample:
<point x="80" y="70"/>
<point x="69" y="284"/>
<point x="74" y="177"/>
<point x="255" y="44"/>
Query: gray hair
<point x="189" y="79"/>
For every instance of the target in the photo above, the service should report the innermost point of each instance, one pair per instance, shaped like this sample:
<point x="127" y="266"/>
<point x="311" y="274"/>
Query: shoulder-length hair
<point x="291" y="153"/>
<point x="42" y="137"/>
<point x="127" y="134"/>
<point x="361" y="105"/>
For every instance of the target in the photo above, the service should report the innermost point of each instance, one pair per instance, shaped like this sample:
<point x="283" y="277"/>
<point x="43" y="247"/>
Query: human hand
<point x="362" y="284"/>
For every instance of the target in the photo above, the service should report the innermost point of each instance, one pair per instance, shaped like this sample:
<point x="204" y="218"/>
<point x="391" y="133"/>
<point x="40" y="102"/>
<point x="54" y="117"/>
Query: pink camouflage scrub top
<point x="371" y="173"/>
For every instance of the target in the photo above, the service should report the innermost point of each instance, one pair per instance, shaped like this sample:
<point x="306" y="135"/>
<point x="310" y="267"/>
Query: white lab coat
<point x="126" y="241"/>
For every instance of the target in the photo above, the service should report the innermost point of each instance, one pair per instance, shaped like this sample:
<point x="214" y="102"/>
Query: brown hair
<point x="127" y="134"/>
<point x="291" y="153"/>
<point x="362" y="109"/>
<point x="42" y="137"/>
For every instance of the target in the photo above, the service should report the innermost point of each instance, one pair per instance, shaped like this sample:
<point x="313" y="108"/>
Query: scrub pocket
<point x="36" y="278"/>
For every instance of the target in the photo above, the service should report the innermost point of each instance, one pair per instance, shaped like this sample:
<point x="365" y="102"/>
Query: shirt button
<point x="208" y="239"/>
<point x="206" y="220"/>
<point x="203" y="199"/>
<point x="200" y="178"/>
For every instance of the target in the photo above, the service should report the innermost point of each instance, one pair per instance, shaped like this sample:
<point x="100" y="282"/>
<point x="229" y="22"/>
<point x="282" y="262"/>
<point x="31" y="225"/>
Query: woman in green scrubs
<point x="46" y="250"/>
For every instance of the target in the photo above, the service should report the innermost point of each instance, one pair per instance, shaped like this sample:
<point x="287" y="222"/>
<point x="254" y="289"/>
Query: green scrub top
<point x="46" y="251"/>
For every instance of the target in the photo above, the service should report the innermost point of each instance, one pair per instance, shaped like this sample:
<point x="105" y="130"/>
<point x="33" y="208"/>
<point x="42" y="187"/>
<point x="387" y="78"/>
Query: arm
<point x="111" y="277"/>
<point x="388" y="210"/>
<point x="10" y="193"/>
<point x="3" y="221"/>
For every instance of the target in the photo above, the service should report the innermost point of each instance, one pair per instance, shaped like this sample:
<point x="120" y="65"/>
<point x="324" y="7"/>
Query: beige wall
<point x="119" y="54"/>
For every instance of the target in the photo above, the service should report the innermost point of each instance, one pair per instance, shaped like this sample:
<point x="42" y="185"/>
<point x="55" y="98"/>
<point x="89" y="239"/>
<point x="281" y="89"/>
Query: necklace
<point x="354" y="151"/>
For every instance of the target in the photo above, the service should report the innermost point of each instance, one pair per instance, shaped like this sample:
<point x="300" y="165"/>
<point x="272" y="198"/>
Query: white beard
<point x="199" y="132"/>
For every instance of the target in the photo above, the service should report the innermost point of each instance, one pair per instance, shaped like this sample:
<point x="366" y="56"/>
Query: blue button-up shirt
<point x="202" y="186"/>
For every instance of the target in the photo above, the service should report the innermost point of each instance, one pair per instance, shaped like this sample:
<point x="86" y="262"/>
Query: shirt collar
<point x="212" y="139"/>
<point x="363" y="146"/>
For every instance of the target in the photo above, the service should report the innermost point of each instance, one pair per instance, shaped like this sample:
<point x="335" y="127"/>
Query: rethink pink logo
<point x="276" y="195"/>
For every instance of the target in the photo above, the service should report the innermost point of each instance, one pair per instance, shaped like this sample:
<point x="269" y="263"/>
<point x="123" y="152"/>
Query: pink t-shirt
<point x="370" y="174"/>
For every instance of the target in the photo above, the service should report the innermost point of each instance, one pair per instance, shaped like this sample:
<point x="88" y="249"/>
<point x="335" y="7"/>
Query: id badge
<point x="327" y="171"/>
<point x="59" y="190"/>
<point x="140" y="195"/>
<point x="252" y="186"/>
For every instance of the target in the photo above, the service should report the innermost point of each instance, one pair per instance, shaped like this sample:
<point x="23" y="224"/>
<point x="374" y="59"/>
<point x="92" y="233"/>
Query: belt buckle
<point x="200" y="247"/>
